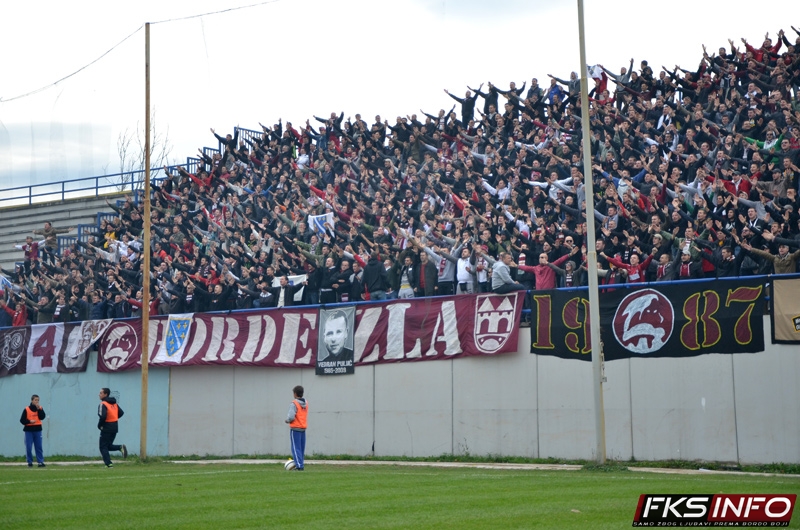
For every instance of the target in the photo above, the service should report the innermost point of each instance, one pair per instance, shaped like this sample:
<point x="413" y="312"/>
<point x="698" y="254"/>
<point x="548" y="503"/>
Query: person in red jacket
<point x="766" y="47"/>
<point x="19" y="315"/>
<point x="545" y="276"/>
<point x="636" y="270"/>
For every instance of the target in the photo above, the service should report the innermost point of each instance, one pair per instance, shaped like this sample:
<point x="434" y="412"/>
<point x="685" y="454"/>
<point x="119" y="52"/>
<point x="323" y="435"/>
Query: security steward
<point x="110" y="413"/>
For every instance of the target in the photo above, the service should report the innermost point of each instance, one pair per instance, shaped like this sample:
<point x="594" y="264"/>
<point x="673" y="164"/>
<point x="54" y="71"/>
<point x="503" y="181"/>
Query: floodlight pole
<point x="594" y="302"/>
<point x="146" y="249"/>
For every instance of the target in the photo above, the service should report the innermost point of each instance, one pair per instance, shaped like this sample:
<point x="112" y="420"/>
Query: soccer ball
<point x="289" y="465"/>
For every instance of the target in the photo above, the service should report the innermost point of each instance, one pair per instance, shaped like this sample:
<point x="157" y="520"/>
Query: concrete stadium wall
<point x="71" y="400"/>
<point x="743" y="408"/>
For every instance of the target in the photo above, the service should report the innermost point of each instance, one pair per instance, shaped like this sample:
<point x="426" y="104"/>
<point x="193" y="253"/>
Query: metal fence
<point x="126" y="182"/>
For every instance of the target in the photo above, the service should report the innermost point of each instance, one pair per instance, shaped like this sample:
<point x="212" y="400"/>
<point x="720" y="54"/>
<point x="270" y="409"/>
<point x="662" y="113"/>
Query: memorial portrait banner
<point x="335" y="345"/>
<point x="409" y="330"/>
<point x="785" y="311"/>
<point x="676" y="320"/>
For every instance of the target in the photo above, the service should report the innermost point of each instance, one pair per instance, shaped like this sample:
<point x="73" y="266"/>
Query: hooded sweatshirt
<point x="293" y="410"/>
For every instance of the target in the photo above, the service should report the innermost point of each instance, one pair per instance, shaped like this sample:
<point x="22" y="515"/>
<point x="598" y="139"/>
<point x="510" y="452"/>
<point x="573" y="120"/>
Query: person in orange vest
<point x="298" y="414"/>
<point x="32" y="418"/>
<point x="110" y="413"/>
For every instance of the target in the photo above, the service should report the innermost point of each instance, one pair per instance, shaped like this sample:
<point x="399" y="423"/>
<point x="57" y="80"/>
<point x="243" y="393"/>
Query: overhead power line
<point x="51" y="85"/>
<point x="216" y="12"/>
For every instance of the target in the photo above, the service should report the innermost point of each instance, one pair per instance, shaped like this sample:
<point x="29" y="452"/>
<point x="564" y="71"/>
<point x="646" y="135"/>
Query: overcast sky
<point x="296" y="58"/>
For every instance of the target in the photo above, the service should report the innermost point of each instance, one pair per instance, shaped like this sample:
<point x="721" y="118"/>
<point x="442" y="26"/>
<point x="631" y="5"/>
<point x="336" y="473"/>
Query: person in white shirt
<point x="464" y="273"/>
<point x="284" y="293"/>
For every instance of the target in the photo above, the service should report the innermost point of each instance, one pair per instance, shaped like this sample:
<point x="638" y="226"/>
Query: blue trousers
<point x="298" y="439"/>
<point x="378" y="296"/>
<point x="34" y="439"/>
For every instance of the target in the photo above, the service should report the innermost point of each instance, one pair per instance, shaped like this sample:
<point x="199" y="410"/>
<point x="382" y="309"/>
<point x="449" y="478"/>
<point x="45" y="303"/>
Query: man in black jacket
<point x="263" y="298"/>
<point x="467" y="104"/>
<point x="284" y="294"/>
<point x="31" y="420"/>
<point x="727" y="265"/>
<point x="375" y="278"/>
<point x="341" y="282"/>
<point x="109" y="413"/>
<point x="327" y="295"/>
<point x="426" y="282"/>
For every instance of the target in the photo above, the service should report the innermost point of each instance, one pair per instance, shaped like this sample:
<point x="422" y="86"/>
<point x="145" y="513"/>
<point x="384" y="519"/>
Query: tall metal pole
<point x="146" y="249"/>
<point x="594" y="302"/>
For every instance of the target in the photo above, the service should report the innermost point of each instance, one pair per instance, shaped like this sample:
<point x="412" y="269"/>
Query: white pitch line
<point x="117" y="477"/>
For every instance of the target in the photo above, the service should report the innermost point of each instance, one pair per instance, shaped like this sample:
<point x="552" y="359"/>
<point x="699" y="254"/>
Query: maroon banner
<point x="48" y="348"/>
<point x="13" y="350"/>
<point x="397" y="331"/>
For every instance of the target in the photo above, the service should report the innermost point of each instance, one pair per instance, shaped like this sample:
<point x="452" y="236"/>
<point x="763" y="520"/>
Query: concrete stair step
<point x="19" y="221"/>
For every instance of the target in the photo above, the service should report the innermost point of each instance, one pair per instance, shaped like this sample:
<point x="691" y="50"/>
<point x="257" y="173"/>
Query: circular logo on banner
<point x="643" y="322"/>
<point x="121" y="343"/>
<point x="11" y="351"/>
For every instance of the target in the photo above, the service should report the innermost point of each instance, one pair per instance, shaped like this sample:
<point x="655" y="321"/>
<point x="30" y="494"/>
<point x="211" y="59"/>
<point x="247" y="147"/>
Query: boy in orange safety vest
<point x="32" y="418"/>
<point x="298" y="414"/>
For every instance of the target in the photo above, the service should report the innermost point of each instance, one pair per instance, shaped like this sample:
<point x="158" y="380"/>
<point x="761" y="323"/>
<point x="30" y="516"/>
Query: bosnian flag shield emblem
<point x="175" y="339"/>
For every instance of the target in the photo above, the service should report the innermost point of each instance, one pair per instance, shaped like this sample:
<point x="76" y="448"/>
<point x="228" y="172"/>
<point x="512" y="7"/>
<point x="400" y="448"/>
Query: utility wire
<point x="50" y="85"/>
<point x="216" y="12"/>
<point x="4" y="100"/>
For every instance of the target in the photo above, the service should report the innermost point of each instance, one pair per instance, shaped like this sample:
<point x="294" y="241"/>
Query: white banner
<point x="43" y="348"/>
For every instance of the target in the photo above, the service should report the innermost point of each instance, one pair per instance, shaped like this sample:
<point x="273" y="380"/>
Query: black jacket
<point x="24" y="418"/>
<point x="288" y="296"/>
<point x="104" y="425"/>
<point x="375" y="278"/>
<point x="431" y="279"/>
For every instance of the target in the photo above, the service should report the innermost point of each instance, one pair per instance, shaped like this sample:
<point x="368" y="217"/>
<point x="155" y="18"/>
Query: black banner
<point x="676" y="320"/>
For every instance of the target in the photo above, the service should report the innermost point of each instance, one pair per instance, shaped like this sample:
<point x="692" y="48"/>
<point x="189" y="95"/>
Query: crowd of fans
<point x="695" y="175"/>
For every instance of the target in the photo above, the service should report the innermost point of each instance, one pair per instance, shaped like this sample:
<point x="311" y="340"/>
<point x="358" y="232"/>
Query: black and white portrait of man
<point x="335" y="347"/>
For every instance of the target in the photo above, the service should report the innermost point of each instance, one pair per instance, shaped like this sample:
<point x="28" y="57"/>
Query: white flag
<point x="81" y="338"/>
<point x="317" y="222"/>
<point x="175" y="339"/>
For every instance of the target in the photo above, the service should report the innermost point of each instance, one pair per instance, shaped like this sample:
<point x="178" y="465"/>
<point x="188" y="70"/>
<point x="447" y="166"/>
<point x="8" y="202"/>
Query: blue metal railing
<point x="249" y="134"/>
<point x="210" y="151"/>
<point x="65" y="241"/>
<point x="71" y="189"/>
<point x="129" y="181"/>
<point x="109" y="217"/>
<point x="192" y="164"/>
<point x="85" y="231"/>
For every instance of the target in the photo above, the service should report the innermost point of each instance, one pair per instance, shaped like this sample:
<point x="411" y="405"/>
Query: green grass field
<point x="167" y="495"/>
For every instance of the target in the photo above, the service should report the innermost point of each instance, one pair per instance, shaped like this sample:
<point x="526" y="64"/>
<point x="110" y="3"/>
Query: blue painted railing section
<point x="125" y="182"/>
<point x="96" y="186"/>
